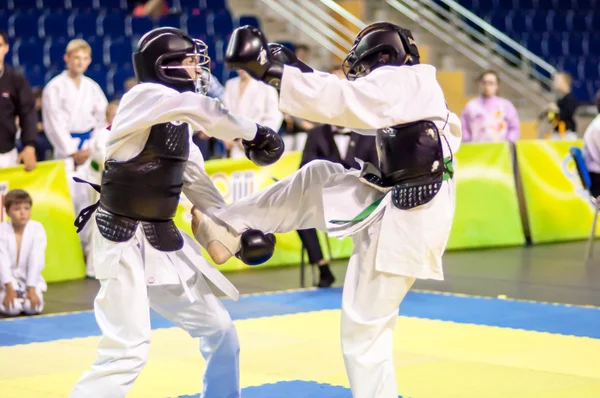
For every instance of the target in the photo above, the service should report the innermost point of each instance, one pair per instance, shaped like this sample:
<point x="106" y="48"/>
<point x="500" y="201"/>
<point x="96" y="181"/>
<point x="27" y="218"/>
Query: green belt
<point x="448" y="173"/>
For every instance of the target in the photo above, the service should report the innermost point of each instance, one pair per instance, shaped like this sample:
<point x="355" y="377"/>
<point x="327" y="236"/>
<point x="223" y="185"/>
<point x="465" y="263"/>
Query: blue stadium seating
<point x="120" y="51"/>
<point x="53" y="5"/>
<point x="215" y="5"/>
<point x="35" y="75"/>
<point x="55" y="51"/>
<point x="117" y="77"/>
<point x="98" y="73"/>
<point x="4" y="15"/>
<point x="24" y="25"/>
<point x="190" y="5"/>
<point x="173" y="21"/>
<point x="579" y="22"/>
<point x="28" y="52"/>
<point x="98" y="49"/>
<point x="83" y="24"/>
<point x="81" y="5"/>
<point x="24" y="4"/>
<point x="197" y="25"/>
<point x="112" y="5"/>
<point x="112" y="24"/>
<point x="249" y="20"/>
<point x="138" y="26"/>
<point x="222" y="25"/>
<point x="55" y="25"/>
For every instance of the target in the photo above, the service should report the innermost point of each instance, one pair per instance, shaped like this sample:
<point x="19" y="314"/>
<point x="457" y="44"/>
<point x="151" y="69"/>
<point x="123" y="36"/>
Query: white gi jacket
<point x="144" y="106"/>
<point x="28" y="271"/>
<point x="591" y="145"/>
<point x="258" y="102"/>
<point x="69" y="112"/>
<point x="410" y="242"/>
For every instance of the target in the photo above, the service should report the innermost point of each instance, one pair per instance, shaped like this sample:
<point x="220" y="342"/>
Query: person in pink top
<point x="489" y="118"/>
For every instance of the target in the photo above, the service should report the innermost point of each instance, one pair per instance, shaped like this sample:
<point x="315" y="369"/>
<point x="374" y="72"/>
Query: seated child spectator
<point x="22" y="258"/>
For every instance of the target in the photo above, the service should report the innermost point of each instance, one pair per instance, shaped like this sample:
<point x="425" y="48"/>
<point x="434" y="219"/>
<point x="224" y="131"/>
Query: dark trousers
<point x="310" y="239"/>
<point x="595" y="188"/>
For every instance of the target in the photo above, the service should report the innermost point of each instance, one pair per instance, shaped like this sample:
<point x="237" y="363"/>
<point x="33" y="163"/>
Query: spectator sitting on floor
<point x="591" y="150"/>
<point x="338" y="145"/>
<point x="22" y="258"/>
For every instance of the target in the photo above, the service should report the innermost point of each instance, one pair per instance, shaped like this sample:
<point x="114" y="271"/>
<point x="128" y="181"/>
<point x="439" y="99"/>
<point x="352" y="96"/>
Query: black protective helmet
<point x="379" y="44"/>
<point x="159" y="57"/>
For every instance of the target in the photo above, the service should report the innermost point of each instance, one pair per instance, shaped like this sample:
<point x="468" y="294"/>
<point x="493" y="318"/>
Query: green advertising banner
<point x="52" y="206"/>
<point x="558" y="207"/>
<point x="487" y="209"/>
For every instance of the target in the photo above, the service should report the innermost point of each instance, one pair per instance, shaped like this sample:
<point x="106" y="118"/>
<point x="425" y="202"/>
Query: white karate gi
<point x="134" y="276"/>
<point x="258" y="103"/>
<point x="9" y="159"/>
<point x="70" y="114"/>
<point x="392" y="247"/>
<point x="27" y="272"/>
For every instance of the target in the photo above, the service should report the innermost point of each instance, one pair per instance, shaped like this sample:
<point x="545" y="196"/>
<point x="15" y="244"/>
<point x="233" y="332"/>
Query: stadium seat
<point x="24" y="25"/>
<point x="113" y="5"/>
<point x="571" y="65"/>
<point x="577" y="44"/>
<point x="214" y="49"/>
<point x="517" y="22"/>
<point x="83" y="24"/>
<point x="23" y="5"/>
<point x="98" y="49"/>
<point x="55" y="5"/>
<point x="501" y="5"/>
<point x="120" y="51"/>
<point x="553" y="44"/>
<point x="189" y="5"/>
<point x="559" y="21"/>
<point x="116" y="79"/>
<point x="28" y="52"/>
<point x="215" y="5"/>
<point x="591" y="69"/>
<point x="222" y="25"/>
<point x="578" y="22"/>
<point x="533" y="42"/>
<point x="497" y="20"/>
<point x="138" y="26"/>
<point x="98" y="74"/>
<point x="112" y="24"/>
<point x="594" y="44"/>
<point x="579" y="89"/>
<point x="197" y="26"/>
<point x="249" y="20"/>
<point x="80" y="5"/>
<point x="4" y="15"/>
<point x="55" y="51"/>
<point x="587" y="5"/>
<point x="537" y="21"/>
<point x="173" y="21"/>
<point x="471" y="5"/>
<point x="55" y="24"/>
<point x="35" y="76"/>
<point x="526" y="4"/>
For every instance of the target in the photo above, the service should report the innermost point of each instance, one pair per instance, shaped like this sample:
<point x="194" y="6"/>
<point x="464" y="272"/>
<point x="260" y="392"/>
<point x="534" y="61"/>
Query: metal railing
<point x="473" y="37"/>
<point x="312" y="18"/>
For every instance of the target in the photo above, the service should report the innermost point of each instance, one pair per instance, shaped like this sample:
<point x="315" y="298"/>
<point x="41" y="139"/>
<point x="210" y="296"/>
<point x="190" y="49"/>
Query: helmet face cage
<point x="198" y="71"/>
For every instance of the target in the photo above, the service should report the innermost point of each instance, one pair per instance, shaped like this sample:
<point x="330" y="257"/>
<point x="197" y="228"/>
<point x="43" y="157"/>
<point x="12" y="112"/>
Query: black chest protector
<point x="144" y="189"/>
<point x="411" y="161"/>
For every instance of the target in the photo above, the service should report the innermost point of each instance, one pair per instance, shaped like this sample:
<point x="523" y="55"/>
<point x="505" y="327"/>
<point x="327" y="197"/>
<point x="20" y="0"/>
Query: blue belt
<point x="83" y="137"/>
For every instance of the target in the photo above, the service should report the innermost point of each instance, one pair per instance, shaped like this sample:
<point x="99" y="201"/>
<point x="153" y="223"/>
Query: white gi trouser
<point x="370" y="299"/>
<point x="9" y="158"/>
<point x="122" y="309"/>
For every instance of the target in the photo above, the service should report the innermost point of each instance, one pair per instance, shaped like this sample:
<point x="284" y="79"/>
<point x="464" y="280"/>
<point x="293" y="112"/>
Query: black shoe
<point x="326" y="278"/>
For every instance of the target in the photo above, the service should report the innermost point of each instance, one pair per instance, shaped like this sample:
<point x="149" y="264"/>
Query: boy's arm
<point x="37" y="257"/>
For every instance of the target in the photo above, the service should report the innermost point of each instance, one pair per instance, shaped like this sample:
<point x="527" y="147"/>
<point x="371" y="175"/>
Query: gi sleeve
<point x="388" y="96"/>
<point x="197" y="185"/>
<point x="149" y="104"/>
<point x="27" y="114"/>
<point x="272" y="116"/>
<point x="37" y="257"/>
<point x="6" y="275"/>
<point x="465" y="118"/>
<point x="56" y="122"/>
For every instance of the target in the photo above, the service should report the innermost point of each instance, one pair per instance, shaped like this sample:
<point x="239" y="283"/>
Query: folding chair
<point x="586" y="181"/>
<point x="304" y="252"/>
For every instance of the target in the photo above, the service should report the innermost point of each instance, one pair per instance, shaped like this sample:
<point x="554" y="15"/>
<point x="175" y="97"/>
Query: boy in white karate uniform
<point x="22" y="258"/>
<point x="141" y="258"/>
<point x="399" y="213"/>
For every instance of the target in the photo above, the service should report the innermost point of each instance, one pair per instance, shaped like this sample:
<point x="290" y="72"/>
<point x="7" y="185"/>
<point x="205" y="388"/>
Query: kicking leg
<point x="207" y="319"/>
<point x="295" y="202"/>
<point x="123" y="314"/>
<point x="369" y="312"/>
